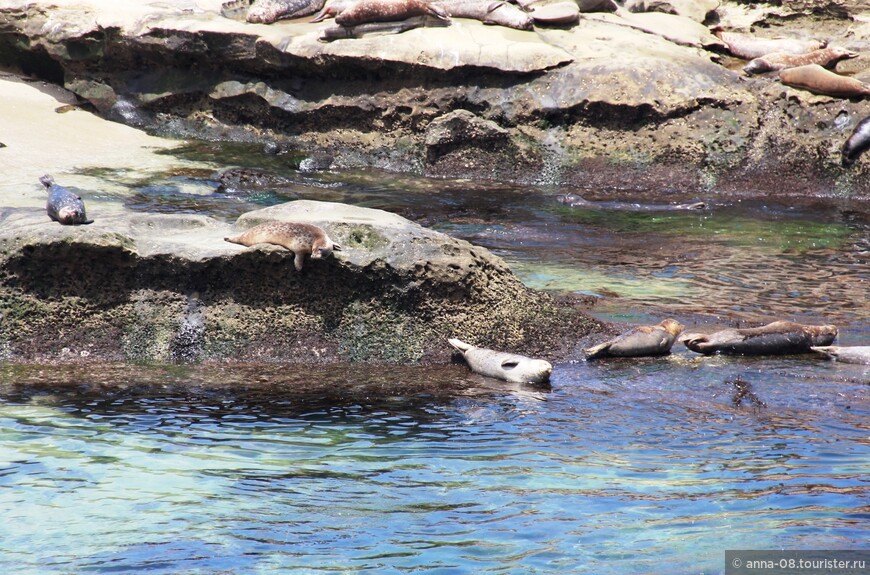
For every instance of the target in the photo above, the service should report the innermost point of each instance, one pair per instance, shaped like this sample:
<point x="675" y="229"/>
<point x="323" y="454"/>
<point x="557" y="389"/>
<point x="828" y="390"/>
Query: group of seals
<point x="64" y="206"/>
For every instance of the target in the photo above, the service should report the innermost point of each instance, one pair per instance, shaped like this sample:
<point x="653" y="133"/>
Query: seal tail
<point x="232" y="240"/>
<point x="438" y="12"/>
<point x="598" y="350"/>
<point x="235" y="9"/>
<point x="828" y="351"/>
<point x="459" y="344"/>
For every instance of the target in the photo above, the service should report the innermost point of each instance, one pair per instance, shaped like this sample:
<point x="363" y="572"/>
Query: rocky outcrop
<point x="159" y="287"/>
<point x="619" y="100"/>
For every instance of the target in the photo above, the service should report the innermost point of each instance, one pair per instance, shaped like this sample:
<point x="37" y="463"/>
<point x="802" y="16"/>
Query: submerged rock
<point x="161" y="287"/>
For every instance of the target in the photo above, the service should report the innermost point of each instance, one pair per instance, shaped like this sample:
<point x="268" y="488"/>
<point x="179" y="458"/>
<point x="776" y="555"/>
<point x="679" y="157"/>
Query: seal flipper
<point x="459" y="344"/>
<point x="236" y="9"/>
<point x="598" y="350"/>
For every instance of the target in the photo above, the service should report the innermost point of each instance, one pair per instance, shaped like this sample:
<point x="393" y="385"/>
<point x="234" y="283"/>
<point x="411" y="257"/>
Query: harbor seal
<point x="826" y="58"/>
<point x="859" y="354"/>
<point x="817" y="80"/>
<point x="644" y="340"/>
<point x="576" y="201"/>
<point x="301" y="239"/>
<point x="269" y="11"/>
<point x="777" y="338"/>
<point x="494" y="12"/>
<point x="506" y="366"/>
<point x="750" y="47"/>
<point x="64" y="205"/>
<point x="365" y="11"/>
<point x="857" y="143"/>
<point x="331" y="33"/>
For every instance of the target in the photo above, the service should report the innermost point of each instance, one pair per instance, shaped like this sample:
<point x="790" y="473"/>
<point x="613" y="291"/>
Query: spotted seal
<point x="644" y="340"/>
<point x="365" y="11"/>
<point x="817" y="80"/>
<point x="64" y="205"/>
<point x="269" y="11"/>
<point x="857" y="143"/>
<point x="750" y="47"/>
<point x="506" y="366"/>
<point x="847" y="354"/>
<point x="301" y="239"/>
<point x="777" y="338"/>
<point x="826" y="57"/>
<point x="495" y="12"/>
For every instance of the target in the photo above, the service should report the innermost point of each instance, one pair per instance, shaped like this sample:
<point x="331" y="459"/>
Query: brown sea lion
<point x="494" y="12"/>
<point x="817" y="80"/>
<point x="777" y="338"/>
<point x="859" y="354"/>
<point x="301" y="239"/>
<point x="826" y="57"/>
<point x="645" y="340"/>
<point x="857" y="143"/>
<point x="365" y="11"/>
<point x="750" y="47"/>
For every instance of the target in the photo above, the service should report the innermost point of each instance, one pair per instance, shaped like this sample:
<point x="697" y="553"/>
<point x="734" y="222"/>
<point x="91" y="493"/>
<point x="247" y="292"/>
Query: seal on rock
<point x="269" y="11"/>
<point x="826" y="57"/>
<point x="777" y="338"/>
<point x="644" y="340"/>
<point x="506" y="366"/>
<point x="817" y="80"/>
<point x="859" y="354"/>
<point x="301" y="239"/>
<point x="750" y="47"/>
<point x="495" y="12"/>
<point x="64" y="205"/>
<point x="364" y="11"/>
<point x="857" y="143"/>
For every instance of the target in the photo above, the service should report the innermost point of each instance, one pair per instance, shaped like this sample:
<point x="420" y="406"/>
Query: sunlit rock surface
<point x="161" y="287"/>
<point x="623" y="99"/>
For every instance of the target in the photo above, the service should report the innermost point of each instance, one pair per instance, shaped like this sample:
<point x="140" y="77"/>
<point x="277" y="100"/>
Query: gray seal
<point x="643" y="340"/>
<point x="857" y="143"/>
<point x="64" y="205"/>
<point x="777" y="338"/>
<point x="506" y="366"/>
<point x="859" y="354"/>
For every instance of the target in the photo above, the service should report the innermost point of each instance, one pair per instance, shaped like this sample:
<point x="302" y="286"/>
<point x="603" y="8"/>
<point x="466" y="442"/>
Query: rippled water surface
<point x="650" y="466"/>
<point x="622" y="467"/>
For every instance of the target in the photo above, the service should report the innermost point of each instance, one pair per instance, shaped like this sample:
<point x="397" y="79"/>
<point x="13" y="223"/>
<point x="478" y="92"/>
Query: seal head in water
<point x="301" y="239"/>
<point x="644" y="340"/>
<point x="64" y="205"/>
<point x="859" y="354"/>
<point x="506" y="366"/>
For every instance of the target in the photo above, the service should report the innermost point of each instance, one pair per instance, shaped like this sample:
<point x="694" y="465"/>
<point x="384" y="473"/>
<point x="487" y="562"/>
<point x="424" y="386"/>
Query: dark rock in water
<point x="64" y="205"/>
<point x="316" y="163"/>
<point x="248" y="180"/>
<point x="857" y="143"/>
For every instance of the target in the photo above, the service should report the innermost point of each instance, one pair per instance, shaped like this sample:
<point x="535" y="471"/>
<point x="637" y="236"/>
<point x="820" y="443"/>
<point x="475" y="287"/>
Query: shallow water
<point x="652" y="466"/>
<point x="623" y="467"/>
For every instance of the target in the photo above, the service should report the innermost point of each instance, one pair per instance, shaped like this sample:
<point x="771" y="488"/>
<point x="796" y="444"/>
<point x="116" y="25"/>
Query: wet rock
<point x="160" y="287"/>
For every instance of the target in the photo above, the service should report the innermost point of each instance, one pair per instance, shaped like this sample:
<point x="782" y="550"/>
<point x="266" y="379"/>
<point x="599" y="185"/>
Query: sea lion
<point x="854" y="354"/>
<point x="777" y="338"/>
<point x="644" y="340"/>
<point x="507" y="366"/>
<point x="269" y="11"/>
<point x="817" y="80"/>
<point x="365" y="11"/>
<point x="494" y="12"/>
<point x="64" y="205"/>
<point x="857" y="143"/>
<point x="826" y="57"/>
<point x="750" y="47"/>
<point x="301" y="239"/>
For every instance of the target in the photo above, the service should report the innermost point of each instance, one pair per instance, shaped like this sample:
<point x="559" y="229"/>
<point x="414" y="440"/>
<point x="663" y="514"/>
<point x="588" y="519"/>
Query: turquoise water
<point x="655" y="466"/>
<point x="650" y="466"/>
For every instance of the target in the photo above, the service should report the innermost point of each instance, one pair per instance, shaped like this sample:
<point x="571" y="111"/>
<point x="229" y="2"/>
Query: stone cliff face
<point x="159" y="287"/>
<point x="622" y="99"/>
